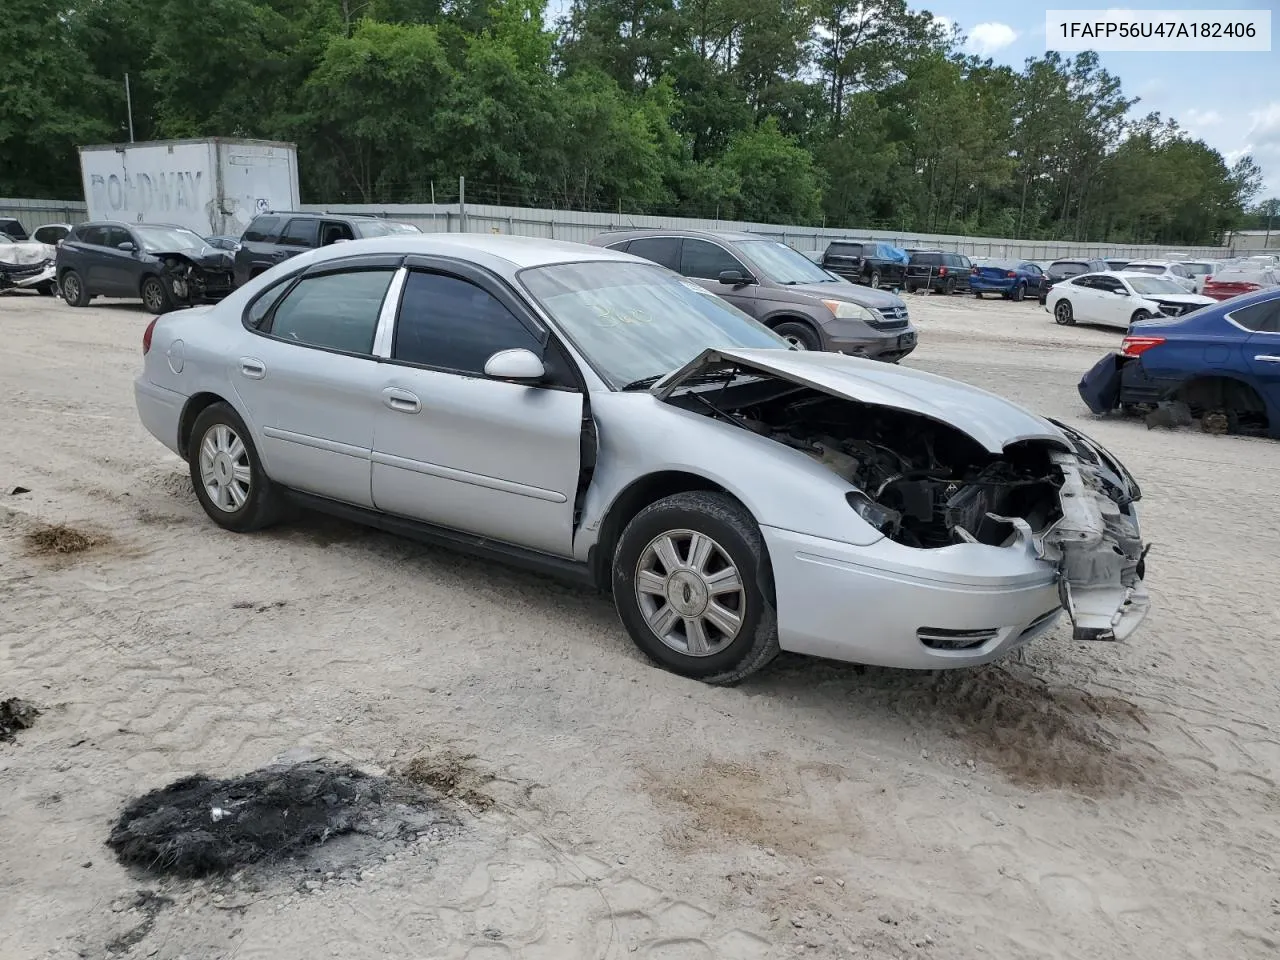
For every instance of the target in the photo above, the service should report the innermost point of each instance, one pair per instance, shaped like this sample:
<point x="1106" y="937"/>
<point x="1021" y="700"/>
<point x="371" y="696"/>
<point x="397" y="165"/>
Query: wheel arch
<point x="790" y="316"/>
<point x="639" y="494"/>
<point x="1209" y="389"/>
<point x="196" y="404"/>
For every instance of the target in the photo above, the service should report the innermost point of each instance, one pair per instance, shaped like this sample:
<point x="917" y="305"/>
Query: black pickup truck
<point x="864" y="261"/>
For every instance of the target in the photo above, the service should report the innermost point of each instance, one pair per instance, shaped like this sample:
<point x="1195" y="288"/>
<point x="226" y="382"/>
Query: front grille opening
<point x="940" y="638"/>
<point x="1039" y="621"/>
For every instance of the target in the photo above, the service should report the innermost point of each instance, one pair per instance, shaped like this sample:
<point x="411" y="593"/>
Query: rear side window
<point x="50" y="234"/>
<point x="663" y="250"/>
<point x="97" y="236"/>
<point x="452" y="324"/>
<point x="300" y="233"/>
<point x="336" y="311"/>
<point x="1261" y="317"/>
<point x="263" y="229"/>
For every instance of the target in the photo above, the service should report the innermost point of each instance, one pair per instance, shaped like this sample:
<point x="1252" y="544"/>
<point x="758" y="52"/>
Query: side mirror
<point x="515" y="366"/>
<point x="127" y="246"/>
<point x="736" y="277"/>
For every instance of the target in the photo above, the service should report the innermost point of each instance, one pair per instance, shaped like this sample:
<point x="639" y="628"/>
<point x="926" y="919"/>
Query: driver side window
<point x="704" y="260"/>
<point x="451" y="324"/>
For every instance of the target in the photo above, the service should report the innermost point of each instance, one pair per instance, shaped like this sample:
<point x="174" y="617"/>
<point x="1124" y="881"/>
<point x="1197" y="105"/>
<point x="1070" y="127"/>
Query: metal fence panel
<point x="581" y="226"/>
<point x="34" y="213"/>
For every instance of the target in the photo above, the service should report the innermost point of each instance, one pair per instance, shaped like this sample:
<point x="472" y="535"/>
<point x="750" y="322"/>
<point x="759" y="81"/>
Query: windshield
<point x="384" y="228"/>
<point x="781" y="264"/>
<point x="637" y="321"/>
<point x="1145" y="268"/>
<point x="165" y="239"/>
<point x="1150" y="285"/>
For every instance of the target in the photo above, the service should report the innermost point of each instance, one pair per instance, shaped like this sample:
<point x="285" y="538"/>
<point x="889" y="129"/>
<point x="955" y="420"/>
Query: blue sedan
<point x="1009" y="278"/>
<point x="1222" y="362"/>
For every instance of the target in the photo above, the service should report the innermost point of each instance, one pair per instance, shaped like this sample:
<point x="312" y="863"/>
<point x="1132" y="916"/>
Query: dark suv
<point x="1067" y="268"/>
<point x="277" y="235"/>
<point x="938" y="271"/>
<point x="864" y="261"/>
<point x="163" y="265"/>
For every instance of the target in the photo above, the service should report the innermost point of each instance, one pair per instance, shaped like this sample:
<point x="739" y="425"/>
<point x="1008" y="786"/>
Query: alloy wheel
<point x="224" y="468"/>
<point x="690" y="592"/>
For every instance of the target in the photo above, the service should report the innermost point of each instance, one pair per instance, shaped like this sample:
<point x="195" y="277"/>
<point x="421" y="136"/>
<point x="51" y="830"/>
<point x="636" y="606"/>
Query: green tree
<point x="779" y="182"/>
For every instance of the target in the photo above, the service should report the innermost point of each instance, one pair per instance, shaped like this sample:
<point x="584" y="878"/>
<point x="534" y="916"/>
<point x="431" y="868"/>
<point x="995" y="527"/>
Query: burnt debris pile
<point x="16" y="715"/>
<point x="200" y="826"/>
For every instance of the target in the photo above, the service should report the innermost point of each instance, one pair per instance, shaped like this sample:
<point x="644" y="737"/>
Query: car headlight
<point x="844" y="310"/>
<point x="882" y="518"/>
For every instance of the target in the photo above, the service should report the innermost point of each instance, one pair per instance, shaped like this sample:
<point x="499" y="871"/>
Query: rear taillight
<point x="973" y="271"/>
<point x="1010" y="274"/>
<point x="146" y="337"/>
<point x="1136" y="346"/>
<point x="942" y="271"/>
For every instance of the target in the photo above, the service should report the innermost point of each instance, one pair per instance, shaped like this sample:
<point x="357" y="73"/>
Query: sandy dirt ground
<point x="1079" y="801"/>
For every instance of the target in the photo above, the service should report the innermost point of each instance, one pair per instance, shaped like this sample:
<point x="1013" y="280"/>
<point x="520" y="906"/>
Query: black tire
<point x="264" y="505"/>
<point x="155" y="296"/>
<point x="73" y="290"/>
<point x="950" y="286"/>
<point x="47" y="289"/>
<point x="875" y="279"/>
<point x="800" y="334"/>
<point x="1063" y="314"/>
<point x="1139" y="315"/>
<point x="1018" y="293"/>
<point x="733" y="529"/>
<point x="977" y="294"/>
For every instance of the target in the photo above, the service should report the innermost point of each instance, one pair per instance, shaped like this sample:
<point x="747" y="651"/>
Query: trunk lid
<point x="992" y="421"/>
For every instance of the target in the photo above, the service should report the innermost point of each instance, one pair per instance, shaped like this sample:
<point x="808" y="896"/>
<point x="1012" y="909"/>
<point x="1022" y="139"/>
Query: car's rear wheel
<point x="227" y="475"/>
<point x="73" y="290"/>
<point x="1019" y="291"/>
<point x="692" y="584"/>
<point x="154" y="295"/>
<point x="798" y="335"/>
<point x="1062" y="313"/>
<point x="875" y="279"/>
<point x="950" y="286"/>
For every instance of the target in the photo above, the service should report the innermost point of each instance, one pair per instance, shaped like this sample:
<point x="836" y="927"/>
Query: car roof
<point x="313" y="213"/>
<point x="518" y="252"/>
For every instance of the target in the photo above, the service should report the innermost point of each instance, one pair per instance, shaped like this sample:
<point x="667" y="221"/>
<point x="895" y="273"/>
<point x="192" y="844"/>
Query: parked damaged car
<point x="26" y="265"/>
<point x="164" y="266"/>
<point x="1219" y="364"/>
<point x="595" y="415"/>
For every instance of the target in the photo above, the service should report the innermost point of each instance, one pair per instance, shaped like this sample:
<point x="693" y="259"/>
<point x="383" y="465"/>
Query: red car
<point x="1233" y="281"/>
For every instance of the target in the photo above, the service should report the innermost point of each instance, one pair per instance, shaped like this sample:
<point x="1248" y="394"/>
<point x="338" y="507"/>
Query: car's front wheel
<point x="800" y="336"/>
<point x="154" y="295"/>
<point x="227" y="475"/>
<point x="1062" y="313"/>
<point x="1138" y="317"/>
<point x="692" y="584"/>
<point x="73" y="290"/>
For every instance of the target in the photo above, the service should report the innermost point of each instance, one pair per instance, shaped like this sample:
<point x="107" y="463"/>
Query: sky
<point x="1229" y="100"/>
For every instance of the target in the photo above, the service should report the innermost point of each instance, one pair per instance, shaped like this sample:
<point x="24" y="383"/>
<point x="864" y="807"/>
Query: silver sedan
<point x="597" y="416"/>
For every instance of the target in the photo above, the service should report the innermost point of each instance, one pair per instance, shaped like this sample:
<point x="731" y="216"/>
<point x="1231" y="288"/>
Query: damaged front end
<point x="196" y="280"/>
<point x="933" y="463"/>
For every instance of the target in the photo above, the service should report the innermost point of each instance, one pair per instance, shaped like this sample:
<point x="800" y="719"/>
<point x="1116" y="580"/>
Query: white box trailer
<point x="213" y="186"/>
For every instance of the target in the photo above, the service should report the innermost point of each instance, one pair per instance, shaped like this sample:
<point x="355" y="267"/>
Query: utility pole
<point x="128" y="99"/>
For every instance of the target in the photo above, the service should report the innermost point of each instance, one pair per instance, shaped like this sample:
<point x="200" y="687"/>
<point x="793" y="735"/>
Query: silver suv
<point x="783" y="289"/>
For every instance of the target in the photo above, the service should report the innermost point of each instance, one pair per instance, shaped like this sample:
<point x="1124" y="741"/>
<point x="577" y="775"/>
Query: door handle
<point x="401" y="401"/>
<point x="253" y="369"/>
<point x="1267" y="358"/>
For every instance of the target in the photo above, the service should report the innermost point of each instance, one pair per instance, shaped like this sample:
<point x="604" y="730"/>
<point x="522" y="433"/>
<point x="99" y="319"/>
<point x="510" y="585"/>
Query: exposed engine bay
<point x="926" y="484"/>
<point x="190" y="282"/>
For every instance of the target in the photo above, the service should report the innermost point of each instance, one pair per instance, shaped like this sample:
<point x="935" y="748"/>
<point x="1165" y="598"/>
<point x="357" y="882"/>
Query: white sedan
<point x="1120" y="299"/>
